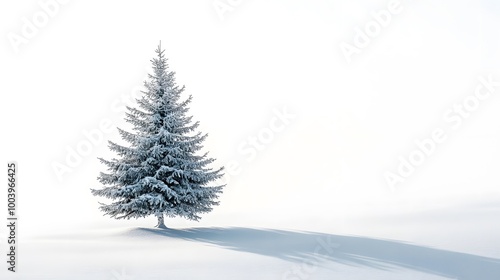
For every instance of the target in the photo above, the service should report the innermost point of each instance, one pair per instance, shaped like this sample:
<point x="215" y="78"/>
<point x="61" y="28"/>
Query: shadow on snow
<point x="350" y="250"/>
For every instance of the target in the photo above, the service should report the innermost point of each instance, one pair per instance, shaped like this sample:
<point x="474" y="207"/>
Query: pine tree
<point x="162" y="171"/>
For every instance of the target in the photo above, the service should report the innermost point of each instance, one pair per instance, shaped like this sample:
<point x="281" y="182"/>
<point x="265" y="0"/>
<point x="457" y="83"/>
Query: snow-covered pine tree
<point x="162" y="171"/>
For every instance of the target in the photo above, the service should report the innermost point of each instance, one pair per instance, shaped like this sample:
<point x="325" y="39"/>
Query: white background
<point x="352" y="121"/>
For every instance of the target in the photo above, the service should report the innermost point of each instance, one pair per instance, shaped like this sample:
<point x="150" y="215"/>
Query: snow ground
<point x="452" y="243"/>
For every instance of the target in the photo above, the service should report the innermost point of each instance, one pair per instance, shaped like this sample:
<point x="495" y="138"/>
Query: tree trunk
<point x="161" y="223"/>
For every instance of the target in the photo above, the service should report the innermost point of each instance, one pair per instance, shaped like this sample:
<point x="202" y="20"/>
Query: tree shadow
<point x="350" y="250"/>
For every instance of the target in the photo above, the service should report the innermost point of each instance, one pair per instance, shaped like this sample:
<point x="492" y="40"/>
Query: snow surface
<point x="439" y="244"/>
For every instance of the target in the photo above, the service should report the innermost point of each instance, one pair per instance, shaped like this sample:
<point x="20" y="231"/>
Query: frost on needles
<point x="162" y="171"/>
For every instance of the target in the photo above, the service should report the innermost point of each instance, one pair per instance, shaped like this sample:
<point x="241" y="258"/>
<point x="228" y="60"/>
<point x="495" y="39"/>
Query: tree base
<point x="160" y="224"/>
